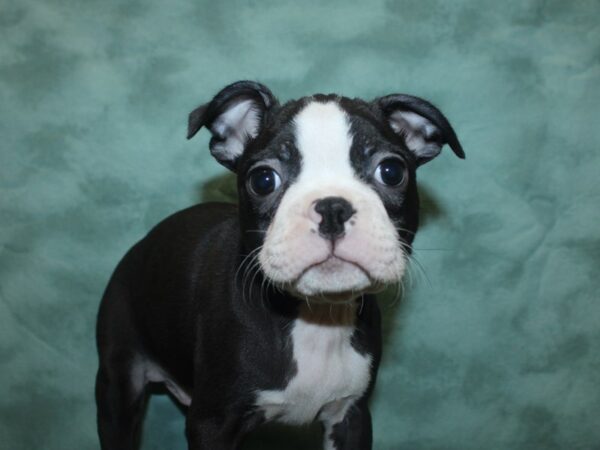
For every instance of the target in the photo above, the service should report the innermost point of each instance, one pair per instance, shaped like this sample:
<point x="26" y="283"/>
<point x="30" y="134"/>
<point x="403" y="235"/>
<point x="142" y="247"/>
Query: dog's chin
<point x="333" y="281"/>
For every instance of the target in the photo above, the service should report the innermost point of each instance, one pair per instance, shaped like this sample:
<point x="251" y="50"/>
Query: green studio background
<point x="496" y="346"/>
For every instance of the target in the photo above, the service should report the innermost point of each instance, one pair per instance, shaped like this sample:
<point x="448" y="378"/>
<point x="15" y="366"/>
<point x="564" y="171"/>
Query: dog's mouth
<point x="334" y="280"/>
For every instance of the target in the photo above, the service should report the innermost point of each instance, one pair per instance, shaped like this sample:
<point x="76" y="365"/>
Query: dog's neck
<point x="329" y="314"/>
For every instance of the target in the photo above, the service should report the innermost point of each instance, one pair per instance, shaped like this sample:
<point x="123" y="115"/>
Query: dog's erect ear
<point x="423" y="126"/>
<point x="233" y="117"/>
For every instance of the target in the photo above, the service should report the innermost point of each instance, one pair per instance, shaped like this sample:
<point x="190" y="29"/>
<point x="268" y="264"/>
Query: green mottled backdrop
<point x="496" y="343"/>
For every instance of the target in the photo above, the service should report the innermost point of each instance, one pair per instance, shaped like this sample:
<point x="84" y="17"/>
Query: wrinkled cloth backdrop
<point x="496" y="343"/>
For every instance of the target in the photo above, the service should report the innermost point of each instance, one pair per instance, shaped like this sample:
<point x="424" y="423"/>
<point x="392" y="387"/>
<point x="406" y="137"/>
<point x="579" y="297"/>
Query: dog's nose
<point x="334" y="212"/>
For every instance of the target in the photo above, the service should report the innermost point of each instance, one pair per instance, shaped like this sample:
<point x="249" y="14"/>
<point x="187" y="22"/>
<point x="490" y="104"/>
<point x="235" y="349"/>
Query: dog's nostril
<point x="334" y="212"/>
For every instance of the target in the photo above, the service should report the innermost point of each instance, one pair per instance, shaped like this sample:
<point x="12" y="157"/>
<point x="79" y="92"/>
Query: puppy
<point x="263" y="311"/>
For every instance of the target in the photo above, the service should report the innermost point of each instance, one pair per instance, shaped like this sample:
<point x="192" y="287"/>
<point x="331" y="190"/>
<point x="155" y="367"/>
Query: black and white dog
<point x="264" y="311"/>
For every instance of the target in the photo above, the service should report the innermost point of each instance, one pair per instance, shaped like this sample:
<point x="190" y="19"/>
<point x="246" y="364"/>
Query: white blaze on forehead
<point x="323" y="138"/>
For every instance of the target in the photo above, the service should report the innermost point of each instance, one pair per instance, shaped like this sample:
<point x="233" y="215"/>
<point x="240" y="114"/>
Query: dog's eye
<point x="264" y="180"/>
<point x="390" y="172"/>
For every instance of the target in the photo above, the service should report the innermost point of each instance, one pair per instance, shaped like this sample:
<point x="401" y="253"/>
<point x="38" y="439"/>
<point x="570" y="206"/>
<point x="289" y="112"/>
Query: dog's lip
<point x="333" y="257"/>
<point x="339" y="297"/>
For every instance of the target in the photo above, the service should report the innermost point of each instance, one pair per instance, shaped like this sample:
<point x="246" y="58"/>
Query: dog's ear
<point x="424" y="128"/>
<point x="234" y="117"/>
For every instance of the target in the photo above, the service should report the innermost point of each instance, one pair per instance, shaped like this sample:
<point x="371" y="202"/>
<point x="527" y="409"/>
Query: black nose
<point x="335" y="212"/>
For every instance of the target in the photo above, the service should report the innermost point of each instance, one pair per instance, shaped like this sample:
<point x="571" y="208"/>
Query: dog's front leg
<point x="354" y="432"/>
<point x="211" y="434"/>
<point x="224" y="431"/>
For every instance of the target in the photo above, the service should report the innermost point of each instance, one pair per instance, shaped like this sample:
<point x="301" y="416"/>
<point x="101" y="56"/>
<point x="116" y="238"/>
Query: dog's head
<point x="327" y="188"/>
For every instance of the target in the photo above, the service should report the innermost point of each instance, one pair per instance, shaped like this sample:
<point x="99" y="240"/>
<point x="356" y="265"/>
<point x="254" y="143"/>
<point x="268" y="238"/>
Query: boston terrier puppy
<point x="264" y="311"/>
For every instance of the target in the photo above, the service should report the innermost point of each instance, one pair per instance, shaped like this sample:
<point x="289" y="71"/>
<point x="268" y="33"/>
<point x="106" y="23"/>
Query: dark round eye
<point x="264" y="180"/>
<point x="390" y="172"/>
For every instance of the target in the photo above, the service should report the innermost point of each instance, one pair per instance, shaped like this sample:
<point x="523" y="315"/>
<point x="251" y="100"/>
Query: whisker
<point x="308" y="303"/>
<point x="399" y="294"/>
<point x="419" y="265"/>
<point x="250" y="256"/>
<point x="397" y="225"/>
<point x="252" y="266"/>
<point x="256" y="270"/>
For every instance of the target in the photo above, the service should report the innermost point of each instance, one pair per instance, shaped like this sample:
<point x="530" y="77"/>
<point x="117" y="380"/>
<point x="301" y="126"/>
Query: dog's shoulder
<point x="197" y="222"/>
<point x="209" y="214"/>
<point x="187" y="238"/>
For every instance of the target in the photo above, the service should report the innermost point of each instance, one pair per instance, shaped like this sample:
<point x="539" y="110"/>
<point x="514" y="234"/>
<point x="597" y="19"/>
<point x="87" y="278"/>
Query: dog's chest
<point x="330" y="376"/>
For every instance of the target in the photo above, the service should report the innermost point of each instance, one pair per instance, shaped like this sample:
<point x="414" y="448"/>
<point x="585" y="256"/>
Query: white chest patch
<point x="331" y="374"/>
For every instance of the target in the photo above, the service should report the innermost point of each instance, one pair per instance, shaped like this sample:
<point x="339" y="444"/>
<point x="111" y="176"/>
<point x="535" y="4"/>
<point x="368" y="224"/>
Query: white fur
<point x="331" y="373"/>
<point x="419" y="132"/>
<point x="293" y="253"/>
<point x="236" y="124"/>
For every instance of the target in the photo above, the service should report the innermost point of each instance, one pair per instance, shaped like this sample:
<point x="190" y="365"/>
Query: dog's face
<point x="328" y="197"/>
